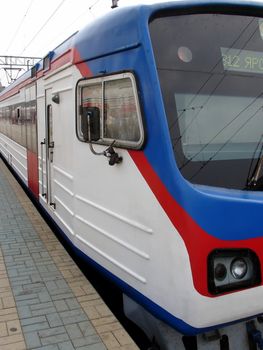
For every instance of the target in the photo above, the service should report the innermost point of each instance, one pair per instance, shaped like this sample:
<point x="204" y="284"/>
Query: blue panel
<point x="112" y="33"/>
<point x="225" y="214"/>
<point x="122" y="42"/>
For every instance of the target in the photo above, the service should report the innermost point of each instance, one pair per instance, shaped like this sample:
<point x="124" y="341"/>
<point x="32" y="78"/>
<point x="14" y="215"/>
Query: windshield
<point x="210" y="68"/>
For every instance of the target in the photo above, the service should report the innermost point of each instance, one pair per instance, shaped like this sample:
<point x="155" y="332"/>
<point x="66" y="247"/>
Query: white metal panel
<point x="15" y="154"/>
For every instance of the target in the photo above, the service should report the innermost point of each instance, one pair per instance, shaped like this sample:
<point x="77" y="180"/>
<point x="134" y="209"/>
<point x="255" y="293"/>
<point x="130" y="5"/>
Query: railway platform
<point x="45" y="301"/>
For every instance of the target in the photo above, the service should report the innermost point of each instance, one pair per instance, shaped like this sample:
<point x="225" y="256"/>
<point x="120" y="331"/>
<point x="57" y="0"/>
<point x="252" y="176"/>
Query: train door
<point x="49" y="149"/>
<point x="29" y="132"/>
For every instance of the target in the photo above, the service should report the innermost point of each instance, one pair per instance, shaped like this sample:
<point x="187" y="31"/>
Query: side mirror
<point x="90" y="123"/>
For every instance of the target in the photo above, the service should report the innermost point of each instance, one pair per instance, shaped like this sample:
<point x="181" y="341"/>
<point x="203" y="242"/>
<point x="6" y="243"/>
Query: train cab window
<point x="116" y="99"/>
<point x="120" y="115"/>
<point x="211" y="80"/>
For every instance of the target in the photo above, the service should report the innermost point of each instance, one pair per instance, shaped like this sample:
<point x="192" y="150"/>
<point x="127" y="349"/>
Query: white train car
<point x="140" y="136"/>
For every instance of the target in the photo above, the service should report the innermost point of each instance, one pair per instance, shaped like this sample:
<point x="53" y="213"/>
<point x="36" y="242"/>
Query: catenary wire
<point x="19" y="26"/>
<point x="227" y="142"/>
<point x="94" y="4"/>
<point x="44" y="25"/>
<point x="221" y="130"/>
<point x="73" y="22"/>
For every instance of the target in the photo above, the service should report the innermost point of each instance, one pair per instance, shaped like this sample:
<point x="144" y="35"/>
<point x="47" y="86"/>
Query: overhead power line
<point x="62" y="32"/>
<point x="44" y="25"/>
<point x="19" y="26"/>
<point x="94" y="4"/>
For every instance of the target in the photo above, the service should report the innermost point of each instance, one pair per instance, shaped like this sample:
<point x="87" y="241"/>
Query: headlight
<point x="239" y="268"/>
<point x="220" y="272"/>
<point x="232" y="269"/>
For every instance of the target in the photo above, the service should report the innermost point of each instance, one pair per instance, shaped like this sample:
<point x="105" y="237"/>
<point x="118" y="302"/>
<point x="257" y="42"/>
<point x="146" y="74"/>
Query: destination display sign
<point x="242" y="60"/>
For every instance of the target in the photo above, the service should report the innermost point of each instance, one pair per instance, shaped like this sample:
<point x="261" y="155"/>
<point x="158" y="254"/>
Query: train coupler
<point x="255" y="339"/>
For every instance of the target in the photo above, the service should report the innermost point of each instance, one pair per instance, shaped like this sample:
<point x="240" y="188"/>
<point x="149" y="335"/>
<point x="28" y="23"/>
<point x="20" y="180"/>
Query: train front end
<point x="209" y="64"/>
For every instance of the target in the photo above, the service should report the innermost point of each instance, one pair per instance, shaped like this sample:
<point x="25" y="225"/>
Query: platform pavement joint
<point x="45" y="301"/>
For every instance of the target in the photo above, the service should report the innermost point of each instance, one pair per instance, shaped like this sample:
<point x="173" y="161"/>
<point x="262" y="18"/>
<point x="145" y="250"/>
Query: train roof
<point x="124" y="28"/>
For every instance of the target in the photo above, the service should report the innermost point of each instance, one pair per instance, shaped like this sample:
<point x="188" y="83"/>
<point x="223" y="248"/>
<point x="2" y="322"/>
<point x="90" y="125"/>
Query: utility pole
<point x="14" y="65"/>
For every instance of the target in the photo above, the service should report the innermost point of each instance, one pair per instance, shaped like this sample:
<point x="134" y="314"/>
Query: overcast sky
<point x="35" y="27"/>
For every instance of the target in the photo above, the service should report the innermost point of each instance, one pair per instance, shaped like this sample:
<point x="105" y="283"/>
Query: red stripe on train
<point x="198" y="242"/>
<point x="32" y="172"/>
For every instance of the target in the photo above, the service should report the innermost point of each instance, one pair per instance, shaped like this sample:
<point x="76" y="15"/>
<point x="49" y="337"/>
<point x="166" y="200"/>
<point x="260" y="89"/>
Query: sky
<point x="35" y="27"/>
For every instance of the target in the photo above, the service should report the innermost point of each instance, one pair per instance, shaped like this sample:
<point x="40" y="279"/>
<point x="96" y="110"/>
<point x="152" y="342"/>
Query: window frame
<point x="101" y="80"/>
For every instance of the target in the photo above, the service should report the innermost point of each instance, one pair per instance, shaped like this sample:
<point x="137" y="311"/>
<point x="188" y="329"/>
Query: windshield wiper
<point x="253" y="180"/>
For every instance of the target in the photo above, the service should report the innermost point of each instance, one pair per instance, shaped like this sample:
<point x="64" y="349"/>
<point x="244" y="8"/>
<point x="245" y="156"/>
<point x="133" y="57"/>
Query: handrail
<point x="42" y="167"/>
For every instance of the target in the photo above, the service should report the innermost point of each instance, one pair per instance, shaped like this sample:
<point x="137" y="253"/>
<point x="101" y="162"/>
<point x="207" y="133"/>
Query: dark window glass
<point x="211" y="74"/>
<point x="117" y="101"/>
<point x="46" y="63"/>
<point x="120" y="112"/>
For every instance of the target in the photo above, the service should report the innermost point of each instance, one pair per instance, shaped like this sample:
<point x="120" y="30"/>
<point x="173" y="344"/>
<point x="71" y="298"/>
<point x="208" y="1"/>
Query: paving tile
<point x="108" y="327"/>
<point x="24" y="311"/>
<point x="3" y="329"/>
<point x="46" y="311"/>
<point x="98" y="346"/>
<point x="92" y="339"/>
<point x="12" y="339"/>
<point x="33" y="320"/>
<point x="61" y="305"/>
<point x="13" y="327"/>
<point x="72" y="303"/>
<point x="59" y="338"/>
<point x="86" y="328"/>
<point x="41" y="306"/>
<point x="36" y="327"/>
<point x="66" y="346"/>
<point x="54" y="320"/>
<point x="48" y="347"/>
<point x="110" y="340"/>
<point x="44" y="296"/>
<point x="74" y="331"/>
<point x="14" y="346"/>
<point x="51" y="332"/>
<point x="122" y="337"/>
<point x="28" y="302"/>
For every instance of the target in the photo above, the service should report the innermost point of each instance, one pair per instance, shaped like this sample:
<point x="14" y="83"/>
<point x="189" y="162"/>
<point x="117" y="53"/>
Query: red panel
<point x="82" y="66"/>
<point x="32" y="172"/>
<point x="198" y="242"/>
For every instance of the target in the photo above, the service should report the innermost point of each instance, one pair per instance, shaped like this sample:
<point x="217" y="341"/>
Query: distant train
<point x="142" y="138"/>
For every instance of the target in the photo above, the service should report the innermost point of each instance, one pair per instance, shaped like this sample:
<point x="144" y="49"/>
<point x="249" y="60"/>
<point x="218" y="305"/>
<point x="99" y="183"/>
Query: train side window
<point x="117" y="100"/>
<point x="91" y="96"/>
<point x="46" y="63"/>
<point x="120" y="111"/>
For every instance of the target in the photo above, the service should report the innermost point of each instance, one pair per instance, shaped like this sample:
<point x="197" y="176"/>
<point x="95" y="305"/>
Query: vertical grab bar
<point x="42" y="167"/>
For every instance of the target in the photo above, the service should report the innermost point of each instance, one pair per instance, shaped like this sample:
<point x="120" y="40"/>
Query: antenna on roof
<point x="114" y="4"/>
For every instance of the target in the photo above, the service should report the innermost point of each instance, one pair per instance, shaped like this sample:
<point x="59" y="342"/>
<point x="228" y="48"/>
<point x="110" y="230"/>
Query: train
<point x="141" y="137"/>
